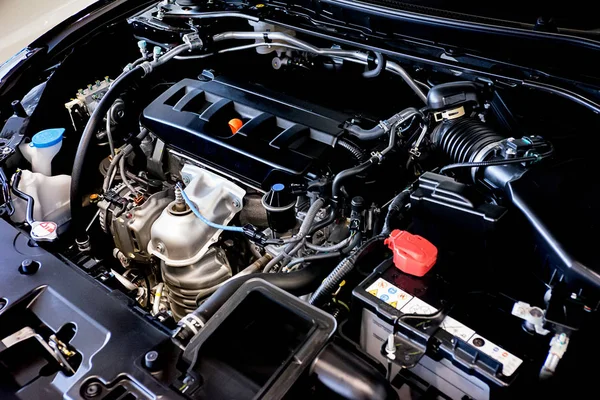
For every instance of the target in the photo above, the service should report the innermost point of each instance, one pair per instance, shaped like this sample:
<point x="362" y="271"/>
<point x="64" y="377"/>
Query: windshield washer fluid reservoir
<point x="50" y="195"/>
<point x="41" y="150"/>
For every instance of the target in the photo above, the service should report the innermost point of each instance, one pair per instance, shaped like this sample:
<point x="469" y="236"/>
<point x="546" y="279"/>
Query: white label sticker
<point x="408" y="304"/>
<point x="389" y="293"/>
<point x="418" y="306"/>
<point x="457" y="329"/>
<point x="510" y="362"/>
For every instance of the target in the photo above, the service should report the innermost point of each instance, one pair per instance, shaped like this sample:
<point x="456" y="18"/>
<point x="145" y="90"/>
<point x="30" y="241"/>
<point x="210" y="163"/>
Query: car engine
<point x="283" y="213"/>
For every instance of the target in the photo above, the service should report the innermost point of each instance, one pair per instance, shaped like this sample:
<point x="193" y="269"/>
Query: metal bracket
<point x="533" y="316"/>
<point x="449" y="114"/>
<point x="57" y="349"/>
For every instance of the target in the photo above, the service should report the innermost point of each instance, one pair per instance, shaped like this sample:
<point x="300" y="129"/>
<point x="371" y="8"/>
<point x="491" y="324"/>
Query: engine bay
<point x="279" y="214"/>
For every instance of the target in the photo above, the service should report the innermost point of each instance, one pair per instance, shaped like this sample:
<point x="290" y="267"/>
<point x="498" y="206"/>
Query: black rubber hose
<point x="393" y="210"/>
<point x="378" y="130"/>
<point x="24" y="196"/>
<point x="77" y="176"/>
<point x="350" y="376"/>
<point x="314" y="257"/>
<point x="366" y="134"/>
<point x="375" y="72"/>
<point x="353" y="149"/>
<point x="354" y="241"/>
<point x="8" y="205"/>
<point x="336" y="188"/>
<point x="297" y="283"/>
<point x="322" y="224"/>
<point x="343" y="268"/>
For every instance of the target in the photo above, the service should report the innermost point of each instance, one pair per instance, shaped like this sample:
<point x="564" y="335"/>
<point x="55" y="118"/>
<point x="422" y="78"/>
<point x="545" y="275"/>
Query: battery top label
<point x="408" y="304"/>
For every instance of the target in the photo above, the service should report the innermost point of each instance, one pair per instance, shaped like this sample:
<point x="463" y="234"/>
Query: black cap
<point x="279" y="203"/>
<point x="279" y="198"/>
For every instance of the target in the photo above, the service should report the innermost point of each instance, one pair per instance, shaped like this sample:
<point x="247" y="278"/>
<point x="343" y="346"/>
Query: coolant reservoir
<point x="51" y="195"/>
<point x="41" y="150"/>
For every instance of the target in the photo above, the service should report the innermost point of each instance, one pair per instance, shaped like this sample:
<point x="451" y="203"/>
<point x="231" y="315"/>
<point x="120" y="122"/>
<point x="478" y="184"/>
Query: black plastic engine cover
<point x="278" y="132"/>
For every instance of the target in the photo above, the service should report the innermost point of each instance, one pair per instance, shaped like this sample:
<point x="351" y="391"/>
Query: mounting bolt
<point x="151" y="360"/>
<point x="92" y="390"/>
<point x="29" y="267"/>
<point x="160" y="248"/>
<point x="236" y="204"/>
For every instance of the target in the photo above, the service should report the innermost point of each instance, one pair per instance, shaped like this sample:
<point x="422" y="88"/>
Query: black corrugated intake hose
<point x="78" y="174"/>
<point x="349" y="376"/>
<point x="336" y="188"/>
<point x="343" y="268"/>
<point x="464" y="139"/>
<point x="352" y="148"/>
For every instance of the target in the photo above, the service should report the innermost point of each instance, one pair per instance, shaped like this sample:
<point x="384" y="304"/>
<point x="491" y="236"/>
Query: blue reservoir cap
<point x="47" y="138"/>
<point x="278" y="187"/>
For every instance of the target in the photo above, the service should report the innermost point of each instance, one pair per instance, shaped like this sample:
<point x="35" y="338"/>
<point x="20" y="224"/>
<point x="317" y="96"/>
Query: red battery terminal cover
<point x="413" y="254"/>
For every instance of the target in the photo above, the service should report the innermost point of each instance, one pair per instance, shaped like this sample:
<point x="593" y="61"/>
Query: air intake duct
<point x="468" y="140"/>
<point x="465" y="140"/>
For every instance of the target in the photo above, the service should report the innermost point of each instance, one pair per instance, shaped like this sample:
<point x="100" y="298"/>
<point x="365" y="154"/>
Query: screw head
<point x="92" y="390"/>
<point x="160" y="248"/>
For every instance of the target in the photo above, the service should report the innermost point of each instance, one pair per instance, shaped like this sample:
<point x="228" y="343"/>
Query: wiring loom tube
<point x="343" y="268"/>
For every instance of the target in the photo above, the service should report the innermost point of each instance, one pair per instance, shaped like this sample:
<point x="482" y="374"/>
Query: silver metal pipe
<point x="209" y="15"/>
<point x="284" y="37"/>
<point x="349" y="55"/>
<point x="238" y="48"/>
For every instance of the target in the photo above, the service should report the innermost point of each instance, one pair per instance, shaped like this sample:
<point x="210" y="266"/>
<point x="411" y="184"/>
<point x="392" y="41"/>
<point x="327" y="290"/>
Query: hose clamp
<point x="377" y="155"/>
<point x="192" y="322"/>
<point x="384" y="125"/>
<point x="193" y="40"/>
<point x="147" y="67"/>
<point x="482" y="155"/>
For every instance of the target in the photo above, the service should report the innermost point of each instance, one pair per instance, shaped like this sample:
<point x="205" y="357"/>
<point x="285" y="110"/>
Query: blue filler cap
<point x="278" y="187"/>
<point x="47" y="138"/>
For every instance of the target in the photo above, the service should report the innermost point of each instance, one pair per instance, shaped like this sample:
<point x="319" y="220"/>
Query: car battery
<point x="475" y="348"/>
